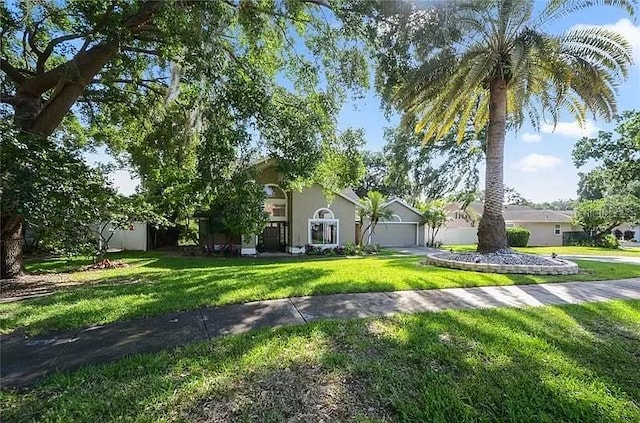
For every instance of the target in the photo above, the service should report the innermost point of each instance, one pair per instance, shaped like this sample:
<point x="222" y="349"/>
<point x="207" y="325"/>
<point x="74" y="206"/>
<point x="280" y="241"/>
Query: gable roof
<point x="402" y="203"/>
<point x="522" y="214"/>
<point x="347" y="193"/>
<point x="536" y="216"/>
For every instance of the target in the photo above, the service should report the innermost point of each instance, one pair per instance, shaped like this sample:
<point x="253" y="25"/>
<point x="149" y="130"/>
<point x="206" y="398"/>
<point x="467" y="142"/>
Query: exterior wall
<point x="407" y="215"/>
<point x="248" y="245"/>
<point x="422" y="232"/>
<point x="268" y="175"/>
<point x="458" y="236"/>
<point x="542" y="233"/>
<point x="304" y="205"/>
<point x="128" y="240"/>
<point x="454" y="212"/>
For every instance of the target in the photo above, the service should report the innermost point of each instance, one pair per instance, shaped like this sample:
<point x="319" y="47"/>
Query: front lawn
<point x="552" y="364"/>
<point x="157" y="283"/>
<point x="560" y="250"/>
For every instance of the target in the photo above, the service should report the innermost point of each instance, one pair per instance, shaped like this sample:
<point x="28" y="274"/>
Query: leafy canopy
<point x="617" y="155"/>
<point x="576" y="71"/>
<point x="185" y="93"/>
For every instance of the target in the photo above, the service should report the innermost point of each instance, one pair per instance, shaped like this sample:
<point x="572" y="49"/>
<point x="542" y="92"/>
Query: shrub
<point x="518" y="237"/>
<point x="310" y="250"/>
<point x="609" y="241"/>
<point x="350" y="249"/>
<point x="617" y="233"/>
<point x="230" y="250"/>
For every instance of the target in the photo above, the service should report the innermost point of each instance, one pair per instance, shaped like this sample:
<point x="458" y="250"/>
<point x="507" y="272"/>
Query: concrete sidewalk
<point x="25" y="359"/>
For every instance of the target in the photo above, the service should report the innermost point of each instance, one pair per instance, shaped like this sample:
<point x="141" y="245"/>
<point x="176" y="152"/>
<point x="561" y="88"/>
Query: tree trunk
<point x="492" y="234"/>
<point x="11" y="247"/>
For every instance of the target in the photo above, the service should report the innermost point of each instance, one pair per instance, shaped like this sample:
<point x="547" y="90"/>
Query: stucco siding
<point x="542" y="234"/>
<point x="268" y="175"/>
<point x="406" y="214"/>
<point x="304" y="205"/>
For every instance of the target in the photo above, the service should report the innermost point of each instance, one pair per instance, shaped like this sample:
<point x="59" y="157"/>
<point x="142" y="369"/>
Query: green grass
<point x="551" y="364"/>
<point x="562" y="250"/>
<point x="156" y="284"/>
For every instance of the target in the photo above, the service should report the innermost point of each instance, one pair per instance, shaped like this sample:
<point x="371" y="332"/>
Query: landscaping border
<point x="568" y="268"/>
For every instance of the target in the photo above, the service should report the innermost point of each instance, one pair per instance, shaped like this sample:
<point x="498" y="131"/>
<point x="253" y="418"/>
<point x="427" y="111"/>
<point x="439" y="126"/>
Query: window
<point x="323" y="228"/>
<point x="323" y="214"/>
<point x="556" y="230"/>
<point x="275" y="205"/>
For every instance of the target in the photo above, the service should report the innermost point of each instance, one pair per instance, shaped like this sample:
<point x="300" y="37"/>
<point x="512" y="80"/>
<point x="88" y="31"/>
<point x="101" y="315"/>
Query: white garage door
<point x="394" y="234"/>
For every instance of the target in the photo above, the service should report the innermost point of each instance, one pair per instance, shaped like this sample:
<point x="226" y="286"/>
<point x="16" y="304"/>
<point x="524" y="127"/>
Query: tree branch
<point x="7" y="99"/>
<point x="140" y="50"/>
<point x="31" y="35"/>
<point x="42" y="58"/>
<point x="323" y="3"/>
<point x="13" y="73"/>
<point x="129" y="81"/>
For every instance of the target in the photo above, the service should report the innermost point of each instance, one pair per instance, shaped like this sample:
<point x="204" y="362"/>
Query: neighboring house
<point x="404" y="228"/>
<point x="546" y="226"/>
<point x="296" y="218"/>
<point x="629" y="227"/>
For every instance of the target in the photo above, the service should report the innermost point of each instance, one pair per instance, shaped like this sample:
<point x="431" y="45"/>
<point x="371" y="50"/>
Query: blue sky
<point x="537" y="164"/>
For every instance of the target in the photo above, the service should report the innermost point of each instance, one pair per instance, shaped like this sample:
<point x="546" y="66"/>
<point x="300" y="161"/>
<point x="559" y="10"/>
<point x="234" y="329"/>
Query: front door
<point x="271" y="238"/>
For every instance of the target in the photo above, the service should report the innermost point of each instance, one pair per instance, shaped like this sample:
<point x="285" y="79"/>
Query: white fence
<point x="458" y="236"/>
<point x="132" y="239"/>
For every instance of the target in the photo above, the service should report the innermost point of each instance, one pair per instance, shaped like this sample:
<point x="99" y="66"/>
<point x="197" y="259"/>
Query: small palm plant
<point x="434" y="217"/>
<point x="507" y="69"/>
<point x="372" y="210"/>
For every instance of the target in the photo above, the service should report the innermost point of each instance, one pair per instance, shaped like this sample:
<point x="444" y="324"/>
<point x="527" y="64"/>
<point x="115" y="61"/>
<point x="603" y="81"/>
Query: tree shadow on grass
<point x="531" y="365"/>
<point x="154" y="293"/>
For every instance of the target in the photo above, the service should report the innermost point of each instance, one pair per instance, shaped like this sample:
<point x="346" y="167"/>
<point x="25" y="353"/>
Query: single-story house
<point x="546" y="226"/>
<point x="296" y="218"/>
<point x="404" y="228"/>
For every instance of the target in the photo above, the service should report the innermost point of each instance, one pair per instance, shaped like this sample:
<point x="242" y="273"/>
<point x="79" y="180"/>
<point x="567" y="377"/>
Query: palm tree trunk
<point x="492" y="234"/>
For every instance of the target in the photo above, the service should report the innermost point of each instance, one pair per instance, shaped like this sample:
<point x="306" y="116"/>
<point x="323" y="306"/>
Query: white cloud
<point x="536" y="162"/>
<point x="571" y="129"/>
<point x="529" y="137"/>
<point x="628" y="30"/>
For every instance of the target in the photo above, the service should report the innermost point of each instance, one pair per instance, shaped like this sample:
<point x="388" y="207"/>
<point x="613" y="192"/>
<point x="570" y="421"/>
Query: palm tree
<point x="507" y="69"/>
<point x="372" y="208"/>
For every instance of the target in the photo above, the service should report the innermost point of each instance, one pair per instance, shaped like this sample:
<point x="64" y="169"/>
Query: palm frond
<point x="558" y="9"/>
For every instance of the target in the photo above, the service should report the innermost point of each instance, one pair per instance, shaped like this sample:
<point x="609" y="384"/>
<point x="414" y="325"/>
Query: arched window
<point x="323" y="213"/>
<point x="323" y="229"/>
<point x="275" y="205"/>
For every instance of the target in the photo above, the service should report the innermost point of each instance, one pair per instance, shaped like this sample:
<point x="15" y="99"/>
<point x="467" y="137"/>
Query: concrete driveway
<point x="415" y="251"/>
<point x="608" y="259"/>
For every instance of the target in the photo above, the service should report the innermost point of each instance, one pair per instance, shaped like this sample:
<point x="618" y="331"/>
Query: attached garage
<point x="395" y="234"/>
<point x="403" y="229"/>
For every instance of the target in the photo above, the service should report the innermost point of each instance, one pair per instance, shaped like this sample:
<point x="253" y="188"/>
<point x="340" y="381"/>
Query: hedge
<point x="518" y="237"/>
